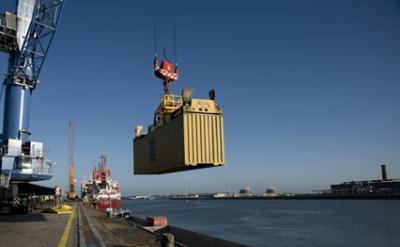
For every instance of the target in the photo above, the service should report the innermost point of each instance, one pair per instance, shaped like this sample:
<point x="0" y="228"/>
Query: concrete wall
<point x="195" y="239"/>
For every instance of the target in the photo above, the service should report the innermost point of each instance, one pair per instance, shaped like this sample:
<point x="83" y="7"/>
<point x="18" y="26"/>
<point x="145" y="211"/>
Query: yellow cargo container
<point x="192" y="137"/>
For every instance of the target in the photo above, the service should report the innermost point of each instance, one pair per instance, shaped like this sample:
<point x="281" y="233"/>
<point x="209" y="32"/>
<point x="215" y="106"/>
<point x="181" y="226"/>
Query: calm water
<point x="284" y="223"/>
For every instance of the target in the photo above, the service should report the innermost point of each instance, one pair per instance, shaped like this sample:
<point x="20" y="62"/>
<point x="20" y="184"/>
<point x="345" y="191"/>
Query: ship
<point x="101" y="190"/>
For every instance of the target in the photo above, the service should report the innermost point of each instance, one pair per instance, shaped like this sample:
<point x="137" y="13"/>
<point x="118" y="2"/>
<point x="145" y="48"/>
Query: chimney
<point x="384" y="172"/>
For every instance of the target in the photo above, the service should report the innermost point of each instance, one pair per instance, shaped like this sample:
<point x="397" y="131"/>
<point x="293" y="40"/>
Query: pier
<point x="86" y="226"/>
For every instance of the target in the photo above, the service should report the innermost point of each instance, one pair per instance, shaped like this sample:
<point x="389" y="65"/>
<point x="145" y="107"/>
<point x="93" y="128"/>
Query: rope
<point x="165" y="28"/>
<point x="165" y="31"/>
<point x="175" y="39"/>
<point x="155" y="27"/>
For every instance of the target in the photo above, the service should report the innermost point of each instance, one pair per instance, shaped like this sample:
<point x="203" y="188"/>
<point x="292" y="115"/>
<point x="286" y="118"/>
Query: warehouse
<point x="383" y="185"/>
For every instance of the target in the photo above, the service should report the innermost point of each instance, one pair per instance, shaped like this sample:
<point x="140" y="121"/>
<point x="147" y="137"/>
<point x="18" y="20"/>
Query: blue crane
<point x="26" y="36"/>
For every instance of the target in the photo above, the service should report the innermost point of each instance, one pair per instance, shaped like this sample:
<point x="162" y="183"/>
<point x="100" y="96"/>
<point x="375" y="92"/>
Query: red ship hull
<point x="104" y="204"/>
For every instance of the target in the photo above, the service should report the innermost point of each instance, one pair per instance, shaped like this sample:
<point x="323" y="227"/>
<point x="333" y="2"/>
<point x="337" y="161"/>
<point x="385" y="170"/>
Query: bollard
<point x="168" y="240"/>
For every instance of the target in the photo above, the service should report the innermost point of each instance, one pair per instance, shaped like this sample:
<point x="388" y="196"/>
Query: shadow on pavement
<point x="8" y="217"/>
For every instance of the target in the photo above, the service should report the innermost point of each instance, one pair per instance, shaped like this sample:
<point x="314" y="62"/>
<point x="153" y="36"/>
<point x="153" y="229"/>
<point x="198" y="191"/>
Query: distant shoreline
<point x="303" y="197"/>
<point x="285" y="197"/>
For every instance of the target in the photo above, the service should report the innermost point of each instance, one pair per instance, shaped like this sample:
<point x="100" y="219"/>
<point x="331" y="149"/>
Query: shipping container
<point x="157" y="221"/>
<point x="190" y="138"/>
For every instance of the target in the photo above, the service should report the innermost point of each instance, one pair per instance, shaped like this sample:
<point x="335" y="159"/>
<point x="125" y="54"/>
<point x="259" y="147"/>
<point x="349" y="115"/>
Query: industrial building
<point x="381" y="186"/>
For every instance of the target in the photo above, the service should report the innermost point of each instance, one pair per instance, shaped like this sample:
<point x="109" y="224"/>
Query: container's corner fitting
<point x="187" y="133"/>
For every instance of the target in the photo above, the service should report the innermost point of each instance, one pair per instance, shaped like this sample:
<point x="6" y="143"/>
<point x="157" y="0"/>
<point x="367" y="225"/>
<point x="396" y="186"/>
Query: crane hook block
<point x="166" y="71"/>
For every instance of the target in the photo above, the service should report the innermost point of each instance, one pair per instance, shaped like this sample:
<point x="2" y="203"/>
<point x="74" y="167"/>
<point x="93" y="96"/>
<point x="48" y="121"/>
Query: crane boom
<point x="34" y="40"/>
<point x="26" y="36"/>
<point x="71" y="148"/>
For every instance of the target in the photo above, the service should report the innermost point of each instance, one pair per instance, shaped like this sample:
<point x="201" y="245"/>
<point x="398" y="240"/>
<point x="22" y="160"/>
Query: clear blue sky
<point x="310" y="89"/>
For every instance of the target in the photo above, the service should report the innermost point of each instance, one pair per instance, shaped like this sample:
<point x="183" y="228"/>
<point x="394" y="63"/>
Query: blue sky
<point x="310" y="89"/>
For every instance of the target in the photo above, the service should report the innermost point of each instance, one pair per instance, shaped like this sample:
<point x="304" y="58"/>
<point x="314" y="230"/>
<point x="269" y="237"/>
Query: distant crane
<point x="71" y="148"/>
<point x="26" y="36"/>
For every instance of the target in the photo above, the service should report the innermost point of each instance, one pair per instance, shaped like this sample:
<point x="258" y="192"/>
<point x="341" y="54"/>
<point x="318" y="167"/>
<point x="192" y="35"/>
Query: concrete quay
<point x="84" y="227"/>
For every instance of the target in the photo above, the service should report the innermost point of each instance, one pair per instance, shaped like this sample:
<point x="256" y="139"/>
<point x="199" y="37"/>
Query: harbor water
<point x="283" y="222"/>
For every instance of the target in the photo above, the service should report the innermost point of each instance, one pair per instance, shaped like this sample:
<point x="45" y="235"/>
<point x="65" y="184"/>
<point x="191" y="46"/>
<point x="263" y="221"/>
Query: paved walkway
<point x="85" y="227"/>
<point x="99" y="230"/>
<point x="34" y="229"/>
